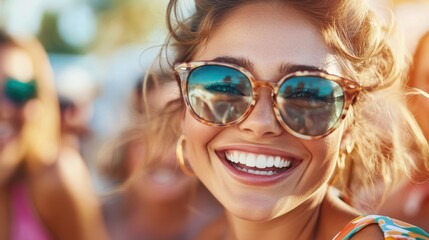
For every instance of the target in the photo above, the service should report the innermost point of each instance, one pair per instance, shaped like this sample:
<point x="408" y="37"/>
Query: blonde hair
<point x="379" y="124"/>
<point x="39" y="137"/>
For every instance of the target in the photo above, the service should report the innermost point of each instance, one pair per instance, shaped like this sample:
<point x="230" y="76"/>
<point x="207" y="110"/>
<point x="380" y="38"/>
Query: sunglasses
<point x="308" y="104"/>
<point x="19" y="92"/>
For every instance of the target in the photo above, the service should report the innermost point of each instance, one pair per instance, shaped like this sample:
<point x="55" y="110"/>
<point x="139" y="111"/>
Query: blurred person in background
<point x="155" y="199"/>
<point x="45" y="189"/>
<point x="411" y="200"/>
<point x="76" y="93"/>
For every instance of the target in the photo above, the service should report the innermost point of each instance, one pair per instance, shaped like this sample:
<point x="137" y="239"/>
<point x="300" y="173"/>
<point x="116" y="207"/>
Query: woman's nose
<point x="262" y="121"/>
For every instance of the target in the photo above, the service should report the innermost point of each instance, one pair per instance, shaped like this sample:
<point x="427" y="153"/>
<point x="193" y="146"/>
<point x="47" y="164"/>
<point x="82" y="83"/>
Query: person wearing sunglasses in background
<point x="412" y="197"/>
<point x="45" y="190"/>
<point x="274" y="109"/>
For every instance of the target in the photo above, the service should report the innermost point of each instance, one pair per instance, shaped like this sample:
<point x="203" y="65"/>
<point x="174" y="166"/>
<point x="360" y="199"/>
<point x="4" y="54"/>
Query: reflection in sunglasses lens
<point x="219" y="94"/>
<point x="310" y="105"/>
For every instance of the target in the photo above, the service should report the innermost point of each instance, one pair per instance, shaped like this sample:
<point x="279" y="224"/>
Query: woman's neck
<point x="300" y="223"/>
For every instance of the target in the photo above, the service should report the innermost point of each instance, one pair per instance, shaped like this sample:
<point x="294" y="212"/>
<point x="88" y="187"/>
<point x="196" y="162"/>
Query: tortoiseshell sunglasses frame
<point x="350" y="90"/>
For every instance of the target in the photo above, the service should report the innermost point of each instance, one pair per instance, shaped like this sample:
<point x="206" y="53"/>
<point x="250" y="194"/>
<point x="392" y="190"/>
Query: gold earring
<point x="344" y="154"/>
<point x="344" y="168"/>
<point x="342" y="160"/>
<point x="180" y="158"/>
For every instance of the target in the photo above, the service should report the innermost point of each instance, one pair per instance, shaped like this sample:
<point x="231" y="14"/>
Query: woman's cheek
<point x="198" y="132"/>
<point x="198" y="137"/>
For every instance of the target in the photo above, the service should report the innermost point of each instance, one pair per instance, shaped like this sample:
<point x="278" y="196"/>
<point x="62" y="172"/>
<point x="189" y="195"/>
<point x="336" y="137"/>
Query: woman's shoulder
<point x="350" y="224"/>
<point x="364" y="226"/>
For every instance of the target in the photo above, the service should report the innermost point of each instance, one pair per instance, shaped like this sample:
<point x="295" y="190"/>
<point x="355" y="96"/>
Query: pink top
<point x="25" y="224"/>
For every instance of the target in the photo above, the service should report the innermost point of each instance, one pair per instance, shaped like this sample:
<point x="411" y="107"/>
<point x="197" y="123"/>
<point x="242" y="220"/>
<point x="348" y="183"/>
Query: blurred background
<point x="99" y="48"/>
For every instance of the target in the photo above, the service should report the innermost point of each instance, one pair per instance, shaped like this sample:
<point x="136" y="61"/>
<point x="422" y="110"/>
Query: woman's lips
<point x="257" y="168"/>
<point x="259" y="164"/>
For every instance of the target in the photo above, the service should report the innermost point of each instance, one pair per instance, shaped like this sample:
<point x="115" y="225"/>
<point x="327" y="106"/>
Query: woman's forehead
<point x="269" y="36"/>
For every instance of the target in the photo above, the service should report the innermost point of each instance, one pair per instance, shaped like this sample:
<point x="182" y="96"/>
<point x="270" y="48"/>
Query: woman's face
<point x="163" y="181"/>
<point x="268" y="36"/>
<point x="16" y="64"/>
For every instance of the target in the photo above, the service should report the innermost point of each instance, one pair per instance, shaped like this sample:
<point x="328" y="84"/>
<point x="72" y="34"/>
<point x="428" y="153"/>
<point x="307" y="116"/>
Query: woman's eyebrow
<point x="285" y="68"/>
<point x="242" y="62"/>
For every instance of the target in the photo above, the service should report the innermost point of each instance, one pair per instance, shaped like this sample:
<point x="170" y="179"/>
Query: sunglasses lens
<point x="310" y="105"/>
<point x="219" y="94"/>
<point x="19" y="92"/>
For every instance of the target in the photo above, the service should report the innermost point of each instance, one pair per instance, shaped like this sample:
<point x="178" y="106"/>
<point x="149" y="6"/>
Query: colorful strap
<point x="392" y="228"/>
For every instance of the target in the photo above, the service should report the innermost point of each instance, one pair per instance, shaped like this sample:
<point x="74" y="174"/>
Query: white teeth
<point x="277" y="162"/>
<point x="242" y="158"/>
<point x="228" y="155"/>
<point x="235" y="157"/>
<point x="251" y="160"/>
<point x="270" y="161"/>
<point x="260" y="161"/>
<point x="256" y="172"/>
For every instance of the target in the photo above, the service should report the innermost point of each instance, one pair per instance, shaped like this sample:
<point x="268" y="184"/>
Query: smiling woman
<point x="274" y="109"/>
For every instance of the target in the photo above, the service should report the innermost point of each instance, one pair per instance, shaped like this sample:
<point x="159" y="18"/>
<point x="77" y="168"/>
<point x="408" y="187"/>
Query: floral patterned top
<point x="393" y="229"/>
